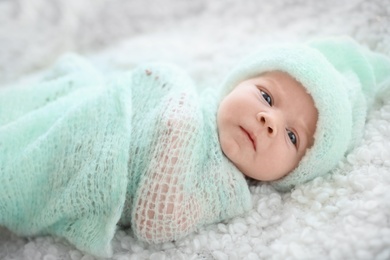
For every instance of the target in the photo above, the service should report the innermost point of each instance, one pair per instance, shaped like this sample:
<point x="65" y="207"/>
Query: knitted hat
<point x="341" y="76"/>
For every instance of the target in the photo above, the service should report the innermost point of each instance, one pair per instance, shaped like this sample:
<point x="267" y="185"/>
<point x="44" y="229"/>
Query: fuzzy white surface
<point x="345" y="215"/>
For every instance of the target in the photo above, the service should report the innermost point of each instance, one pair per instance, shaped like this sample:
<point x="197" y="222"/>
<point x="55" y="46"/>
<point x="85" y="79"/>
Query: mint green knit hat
<point x="341" y="76"/>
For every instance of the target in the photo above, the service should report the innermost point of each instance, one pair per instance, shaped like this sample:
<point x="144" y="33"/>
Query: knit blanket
<point x="79" y="150"/>
<point x="64" y="152"/>
<point x="342" y="216"/>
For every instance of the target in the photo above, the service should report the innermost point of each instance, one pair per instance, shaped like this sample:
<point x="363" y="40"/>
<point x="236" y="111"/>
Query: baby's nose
<point x="269" y="122"/>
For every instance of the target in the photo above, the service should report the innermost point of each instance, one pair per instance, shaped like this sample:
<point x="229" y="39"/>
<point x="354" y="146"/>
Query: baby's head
<point x="289" y="113"/>
<point x="266" y="124"/>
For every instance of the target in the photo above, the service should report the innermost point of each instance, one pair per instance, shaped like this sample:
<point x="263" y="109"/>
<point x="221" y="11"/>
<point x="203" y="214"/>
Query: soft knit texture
<point x="341" y="76"/>
<point x="64" y="152"/>
<point x="179" y="178"/>
<point x="80" y="153"/>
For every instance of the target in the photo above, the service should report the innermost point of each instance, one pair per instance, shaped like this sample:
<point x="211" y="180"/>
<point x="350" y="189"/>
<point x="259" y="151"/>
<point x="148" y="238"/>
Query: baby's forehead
<point x="278" y="74"/>
<point x="282" y="76"/>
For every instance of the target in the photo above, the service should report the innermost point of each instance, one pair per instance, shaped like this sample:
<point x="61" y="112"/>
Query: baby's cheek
<point x="280" y="164"/>
<point x="228" y="146"/>
<point x="291" y="165"/>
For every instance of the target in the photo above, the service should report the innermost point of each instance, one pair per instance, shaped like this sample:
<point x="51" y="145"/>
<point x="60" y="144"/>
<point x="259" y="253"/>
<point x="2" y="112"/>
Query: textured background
<point x="34" y="32"/>
<point x="342" y="216"/>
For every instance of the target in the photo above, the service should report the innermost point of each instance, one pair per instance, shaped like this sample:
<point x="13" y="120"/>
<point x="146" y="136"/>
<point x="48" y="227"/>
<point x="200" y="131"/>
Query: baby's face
<point x="266" y="124"/>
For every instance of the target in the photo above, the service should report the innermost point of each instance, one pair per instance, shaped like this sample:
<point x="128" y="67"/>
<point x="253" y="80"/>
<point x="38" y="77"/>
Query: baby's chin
<point x="233" y="152"/>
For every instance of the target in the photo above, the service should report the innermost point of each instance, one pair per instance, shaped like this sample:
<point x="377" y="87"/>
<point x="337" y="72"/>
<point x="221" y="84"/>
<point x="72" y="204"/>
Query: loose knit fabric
<point x="178" y="177"/>
<point x="80" y="153"/>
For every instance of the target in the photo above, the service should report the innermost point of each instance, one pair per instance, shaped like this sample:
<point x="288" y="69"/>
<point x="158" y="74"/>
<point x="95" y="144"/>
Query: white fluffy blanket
<point x="345" y="215"/>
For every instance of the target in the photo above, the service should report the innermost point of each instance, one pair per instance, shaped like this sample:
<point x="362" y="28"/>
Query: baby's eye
<point x="292" y="136"/>
<point x="266" y="97"/>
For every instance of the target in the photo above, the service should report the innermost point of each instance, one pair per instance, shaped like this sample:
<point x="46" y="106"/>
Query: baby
<point x="264" y="121"/>
<point x="81" y="154"/>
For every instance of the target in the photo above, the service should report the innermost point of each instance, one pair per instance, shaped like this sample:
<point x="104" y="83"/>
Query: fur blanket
<point x="342" y="216"/>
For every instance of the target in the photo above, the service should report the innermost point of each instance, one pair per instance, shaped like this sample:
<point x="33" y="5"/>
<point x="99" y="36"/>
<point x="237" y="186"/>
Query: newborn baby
<point x="81" y="153"/>
<point x="264" y="121"/>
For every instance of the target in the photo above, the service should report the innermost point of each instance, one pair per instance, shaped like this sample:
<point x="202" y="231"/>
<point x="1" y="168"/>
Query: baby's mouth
<point x="250" y="137"/>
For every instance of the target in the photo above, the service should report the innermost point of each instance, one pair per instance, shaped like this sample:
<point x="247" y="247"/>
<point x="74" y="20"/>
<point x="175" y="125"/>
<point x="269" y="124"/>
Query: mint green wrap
<point x="80" y="153"/>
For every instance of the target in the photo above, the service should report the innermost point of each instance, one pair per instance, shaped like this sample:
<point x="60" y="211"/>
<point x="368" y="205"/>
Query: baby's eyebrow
<point x="272" y="85"/>
<point x="270" y="81"/>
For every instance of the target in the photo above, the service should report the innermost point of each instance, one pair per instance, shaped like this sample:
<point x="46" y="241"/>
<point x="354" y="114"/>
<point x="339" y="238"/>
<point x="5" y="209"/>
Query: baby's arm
<point x="164" y="210"/>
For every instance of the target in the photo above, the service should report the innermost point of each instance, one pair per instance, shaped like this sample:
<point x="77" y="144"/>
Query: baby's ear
<point x="347" y="56"/>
